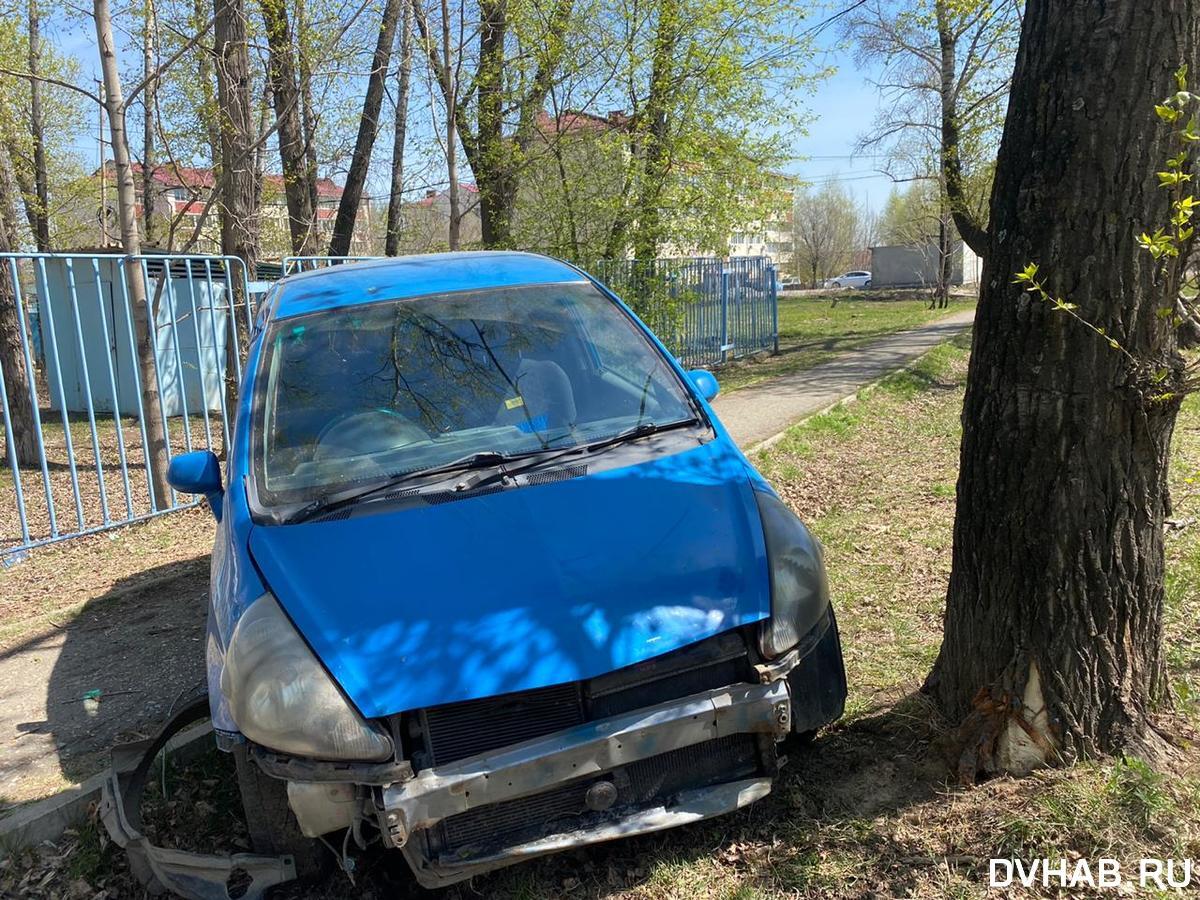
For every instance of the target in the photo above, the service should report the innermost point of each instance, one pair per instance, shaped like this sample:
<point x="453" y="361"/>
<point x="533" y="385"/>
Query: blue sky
<point x="844" y="107"/>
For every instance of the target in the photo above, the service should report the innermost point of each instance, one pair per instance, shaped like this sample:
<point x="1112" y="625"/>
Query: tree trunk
<point x="648" y="229"/>
<point x="148" y="96"/>
<point x="23" y="441"/>
<point x="971" y="231"/>
<point x="450" y="83"/>
<point x="944" y="256"/>
<point x="368" y="129"/>
<point x="143" y="315"/>
<point x="285" y="93"/>
<point x="41" y="181"/>
<point x="396" y="195"/>
<point x="1054" y="614"/>
<point x="308" y="117"/>
<point x="239" y="214"/>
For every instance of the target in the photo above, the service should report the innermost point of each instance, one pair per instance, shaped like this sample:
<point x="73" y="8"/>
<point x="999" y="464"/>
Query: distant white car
<point x="857" y="280"/>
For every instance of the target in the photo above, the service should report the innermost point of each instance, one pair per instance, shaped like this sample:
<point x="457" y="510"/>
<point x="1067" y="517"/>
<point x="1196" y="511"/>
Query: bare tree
<point x="825" y="226"/>
<point x="946" y="68"/>
<point x="368" y="130"/>
<point x="148" y="94"/>
<point x="400" y="128"/>
<point x="143" y="315"/>
<point x="299" y="178"/>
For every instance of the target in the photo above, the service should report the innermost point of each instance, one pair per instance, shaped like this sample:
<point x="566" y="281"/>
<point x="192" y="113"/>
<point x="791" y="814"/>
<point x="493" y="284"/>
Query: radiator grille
<point x="563" y="809"/>
<point x="459" y="730"/>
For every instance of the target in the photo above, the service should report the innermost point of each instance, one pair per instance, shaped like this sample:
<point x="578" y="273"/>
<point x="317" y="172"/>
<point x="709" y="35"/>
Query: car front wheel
<point x="273" y="829"/>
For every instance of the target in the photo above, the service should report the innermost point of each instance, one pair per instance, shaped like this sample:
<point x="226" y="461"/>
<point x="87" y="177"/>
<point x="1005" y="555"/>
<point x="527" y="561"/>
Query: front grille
<point x="459" y="730"/>
<point x="563" y="809"/>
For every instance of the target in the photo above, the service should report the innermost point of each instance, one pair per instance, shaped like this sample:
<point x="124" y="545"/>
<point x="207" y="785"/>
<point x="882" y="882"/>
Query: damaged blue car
<point x="490" y="579"/>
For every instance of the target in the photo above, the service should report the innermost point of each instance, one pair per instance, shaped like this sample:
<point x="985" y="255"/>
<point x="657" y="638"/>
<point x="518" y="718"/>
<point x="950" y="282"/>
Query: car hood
<point x="524" y="588"/>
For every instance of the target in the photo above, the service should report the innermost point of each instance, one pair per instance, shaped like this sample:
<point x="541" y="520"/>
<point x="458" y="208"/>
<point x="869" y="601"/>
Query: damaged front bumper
<point x="629" y="766"/>
<point x="593" y="756"/>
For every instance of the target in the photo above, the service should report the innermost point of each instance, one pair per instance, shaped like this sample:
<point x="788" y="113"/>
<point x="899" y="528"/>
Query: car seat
<point x="542" y="399"/>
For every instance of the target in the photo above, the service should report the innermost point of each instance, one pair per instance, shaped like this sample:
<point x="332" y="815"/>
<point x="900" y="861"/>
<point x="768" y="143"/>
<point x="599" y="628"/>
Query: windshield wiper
<point x="541" y="458"/>
<point x="487" y="459"/>
<point x="340" y="499"/>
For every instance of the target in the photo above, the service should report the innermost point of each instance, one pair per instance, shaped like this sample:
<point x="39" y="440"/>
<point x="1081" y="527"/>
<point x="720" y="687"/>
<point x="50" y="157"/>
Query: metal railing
<point x="78" y="446"/>
<point x="707" y="311"/>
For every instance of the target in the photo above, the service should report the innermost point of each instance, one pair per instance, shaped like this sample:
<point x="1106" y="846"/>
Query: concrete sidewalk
<point x="762" y="411"/>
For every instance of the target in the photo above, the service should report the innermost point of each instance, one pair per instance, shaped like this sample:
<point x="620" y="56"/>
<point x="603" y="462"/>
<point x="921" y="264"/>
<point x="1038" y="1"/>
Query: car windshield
<point x="363" y="393"/>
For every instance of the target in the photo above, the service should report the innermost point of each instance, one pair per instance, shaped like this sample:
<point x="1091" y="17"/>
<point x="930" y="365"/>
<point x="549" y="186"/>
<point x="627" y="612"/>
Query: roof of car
<point x="415" y="276"/>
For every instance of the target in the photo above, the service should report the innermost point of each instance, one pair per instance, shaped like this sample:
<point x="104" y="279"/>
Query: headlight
<point x="281" y="697"/>
<point x="799" y="586"/>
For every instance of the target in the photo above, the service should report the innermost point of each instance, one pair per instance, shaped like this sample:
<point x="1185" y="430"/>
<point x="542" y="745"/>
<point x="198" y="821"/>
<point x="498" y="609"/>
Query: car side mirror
<point x="705" y="382"/>
<point x="198" y="472"/>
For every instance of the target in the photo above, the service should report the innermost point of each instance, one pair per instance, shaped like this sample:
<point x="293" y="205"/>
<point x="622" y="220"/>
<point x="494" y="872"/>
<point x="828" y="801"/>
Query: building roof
<point x="403" y="277"/>
<point x="572" y="121"/>
<point x="203" y="178"/>
<point x="433" y="196"/>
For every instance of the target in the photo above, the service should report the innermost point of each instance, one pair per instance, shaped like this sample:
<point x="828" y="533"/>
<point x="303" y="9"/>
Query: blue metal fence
<point x="707" y="311"/>
<point x="73" y="385"/>
<point x="74" y="382"/>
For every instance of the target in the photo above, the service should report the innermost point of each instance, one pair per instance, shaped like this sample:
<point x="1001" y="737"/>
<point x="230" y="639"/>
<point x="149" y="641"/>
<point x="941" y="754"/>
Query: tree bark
<point x="404" y="78"/>
<point x="1054" y="613"/>
<point x="143" y="315"/>
<point x="23" y="440"/>
<point x="285" y="92"/>
<point x="239" y="229"/>
<point x="368" y="130"/>
<point x="239" y="212"/>
<point x="41" y="180"/>
<point x="308" y="114"/>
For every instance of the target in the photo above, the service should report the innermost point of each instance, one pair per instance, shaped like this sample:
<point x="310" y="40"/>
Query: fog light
<point x="600" y="796"/>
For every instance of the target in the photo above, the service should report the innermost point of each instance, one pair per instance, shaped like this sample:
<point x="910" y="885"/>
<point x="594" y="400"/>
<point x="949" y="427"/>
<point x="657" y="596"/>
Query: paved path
<point x="761" y="411"/>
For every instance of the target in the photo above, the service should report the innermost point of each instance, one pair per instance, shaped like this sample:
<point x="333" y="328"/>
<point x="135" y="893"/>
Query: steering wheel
<point x="366" y="431"/>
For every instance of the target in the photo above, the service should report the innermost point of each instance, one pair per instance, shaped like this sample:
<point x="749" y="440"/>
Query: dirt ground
<point x="131" y="629"/>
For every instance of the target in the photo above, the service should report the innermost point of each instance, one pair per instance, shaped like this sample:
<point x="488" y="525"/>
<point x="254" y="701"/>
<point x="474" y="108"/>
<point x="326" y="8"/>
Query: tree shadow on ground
<point x="140" y="645"/>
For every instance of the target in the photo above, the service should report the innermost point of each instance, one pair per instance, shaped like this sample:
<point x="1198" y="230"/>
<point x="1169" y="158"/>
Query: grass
<point x="869" y="809"/>
<point x="813" y="331"/>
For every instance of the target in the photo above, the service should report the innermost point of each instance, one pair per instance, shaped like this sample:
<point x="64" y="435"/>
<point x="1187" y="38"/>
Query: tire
<point x="272" y="827"/>
<point x="866" y="284"/>
<point x="837" y="285"/>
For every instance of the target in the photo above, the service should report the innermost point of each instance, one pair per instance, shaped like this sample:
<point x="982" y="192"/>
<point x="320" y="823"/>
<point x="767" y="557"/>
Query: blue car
<point x="490" y="579"/>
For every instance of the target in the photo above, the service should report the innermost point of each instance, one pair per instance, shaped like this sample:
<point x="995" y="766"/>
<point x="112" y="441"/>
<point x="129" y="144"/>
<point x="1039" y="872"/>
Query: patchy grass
<point x="869" y="810"/>
<point x="812" y="330"/>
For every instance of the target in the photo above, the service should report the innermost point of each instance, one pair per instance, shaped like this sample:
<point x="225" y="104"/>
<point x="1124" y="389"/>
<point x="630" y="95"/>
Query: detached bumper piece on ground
<point x="492" y="782"/>
<point x="199" y="876"/>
